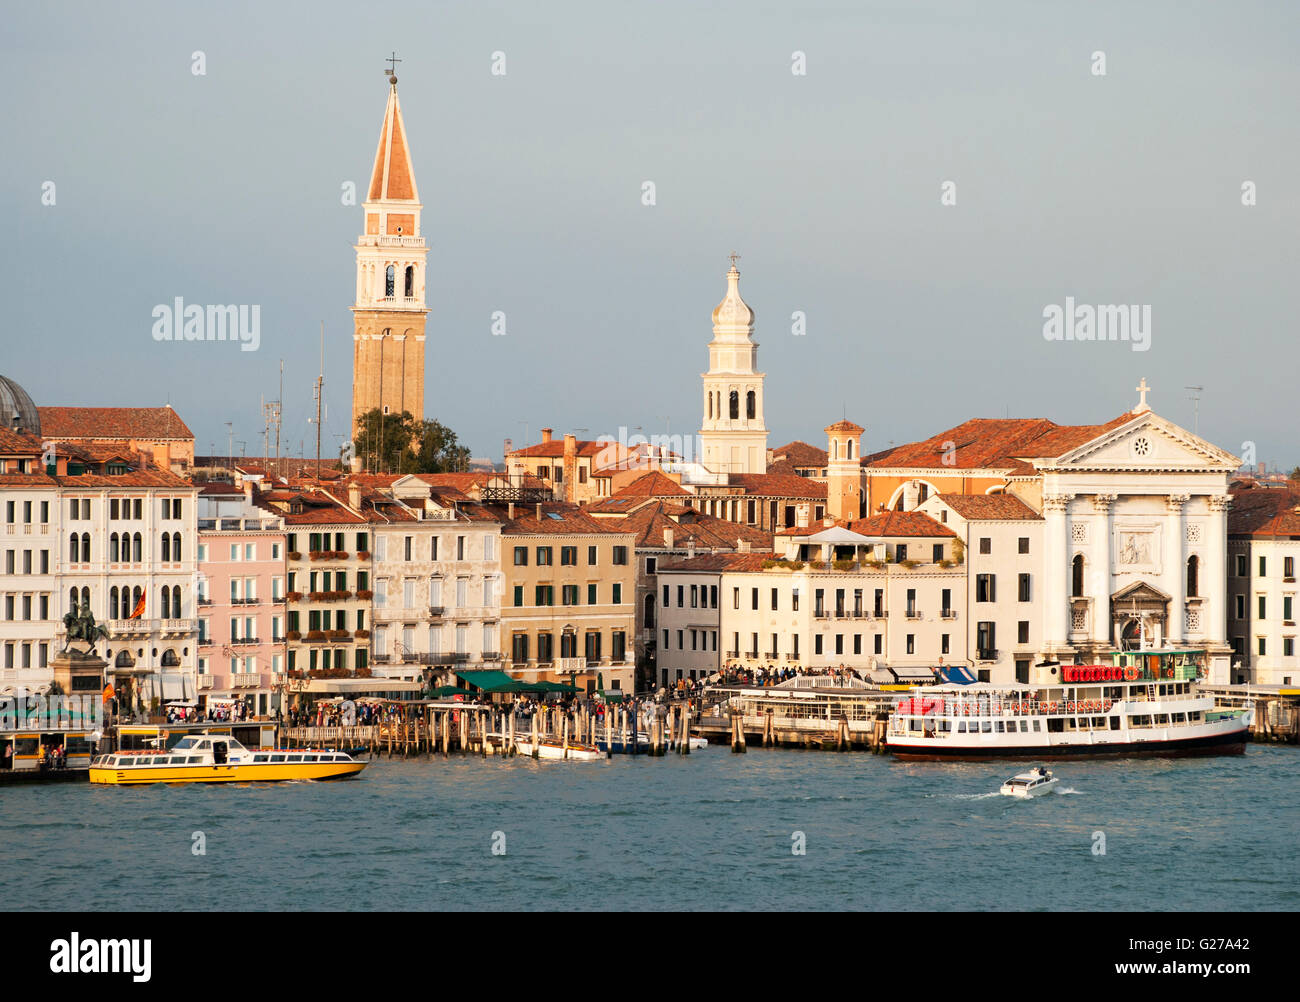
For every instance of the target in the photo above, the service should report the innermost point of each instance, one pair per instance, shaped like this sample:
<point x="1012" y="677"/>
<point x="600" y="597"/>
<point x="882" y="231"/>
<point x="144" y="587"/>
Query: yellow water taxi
<point x="218" y="758"/>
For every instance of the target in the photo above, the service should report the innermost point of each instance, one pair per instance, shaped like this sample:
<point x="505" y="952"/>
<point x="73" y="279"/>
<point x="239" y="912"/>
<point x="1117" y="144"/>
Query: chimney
<point x="539" y="511"/>
<point x="690" y="547"/>
<point x="742" y="545"/>
<point x="355" y="464"/>
<point x="570" y="467"/>
<point x="354" y="496"/>
<point x="911" y="495"/>
<point x="669" y="535"/>
<point x="510" y="510"/>
<point x="546" y="434"/>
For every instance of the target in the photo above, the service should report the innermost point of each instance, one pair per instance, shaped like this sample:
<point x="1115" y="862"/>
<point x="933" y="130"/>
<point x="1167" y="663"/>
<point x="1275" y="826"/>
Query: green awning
<point x="488" y="680"/>
<point x="450" y="690"/>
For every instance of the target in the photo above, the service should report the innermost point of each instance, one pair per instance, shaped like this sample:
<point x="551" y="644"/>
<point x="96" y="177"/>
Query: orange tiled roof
<point x="557" y="518"/>
<point x="799" y="454"/>
<point x="778" y="485"/>
<point x="989" y="507"/>
<point x="708" y="532"/>
<point x="554" y="449"/>
<point x="1265" y="512"/>
<point x="113" y="423"/>
<point x="992" y="443"/>
<point x="652" y="485"/>
<point x="717" y="562"/>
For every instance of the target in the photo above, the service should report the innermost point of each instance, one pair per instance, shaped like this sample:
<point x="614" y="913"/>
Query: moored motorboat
<point x="218" y="758"/>
<point x="1027" y="785"/>
<point x="558" y="750"/>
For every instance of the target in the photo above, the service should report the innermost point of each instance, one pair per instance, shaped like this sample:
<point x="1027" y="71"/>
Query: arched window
<point x="849" y="447"/>
<point x="112" y="603"/>
<point x="112" y="548"/>
<point x="166" y="603"/>
<point x="410" y="281"/>
<point x="710" y="405"/>
<point x="74" y="549"/>
<point x="389" y="283"/>
<point x="85" y="597"/>
<point x="649" y="612"/>
<point x="735" y="405"/>
<point x="835" y="448"/>
<point x="1193" y="572"/>
<point x="176" y="547"/>
<point x="137" y="548"/>
<point x="169" y="658"/>
<point x="135" y="598"/>
<point x="73" y="600"/>
<point x="751" y="405"/>
<point x="166" y="546"/>
<point x="176" y="602"/>
<point x="85" y="547"/>
<point x="1076" y="582"/>
<point x="124" y="659"/>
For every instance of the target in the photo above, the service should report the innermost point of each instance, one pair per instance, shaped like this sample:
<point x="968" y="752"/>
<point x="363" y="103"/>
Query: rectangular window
<point x="1263" y="603"/>
<point x="543" y="556"/>
<point x="591" y="559"/>
<point x="460" y="547"/>
<point x="617" y="596"/>
<point x="1022" y="632"/>
<point x="753" y="599"/>
<point x="521" y="556"/>
<point x="1288" y="567"/>
<point x="591" y="595"/>
<point x="1241" y="565"/>
<point x="568" y="556"/>
<point x="776" y="605"/>
<point x="943" y="644"/>
<point x="519" y="595"/>
<point x="878" y="644"/>
<point x="817" y="644"/>
<point x="984" y="588"/>
<point x="936" y="553"/>
<point x="986" y="544"/>
<point x="620" y="555"/>
<point x="1024" y="544"/>
<point x="1024" y="587"/>
<point x="433" y="548"/>
<point x="1262" y="565"/>
<point x="911" y="643"/>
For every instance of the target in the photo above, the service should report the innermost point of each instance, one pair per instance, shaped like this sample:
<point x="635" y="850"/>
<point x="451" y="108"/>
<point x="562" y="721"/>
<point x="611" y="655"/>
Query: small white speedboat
<point x="1033" y="783"/>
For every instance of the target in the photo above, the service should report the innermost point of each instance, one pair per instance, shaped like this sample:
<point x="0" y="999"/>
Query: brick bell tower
<point x="388" y="338"/>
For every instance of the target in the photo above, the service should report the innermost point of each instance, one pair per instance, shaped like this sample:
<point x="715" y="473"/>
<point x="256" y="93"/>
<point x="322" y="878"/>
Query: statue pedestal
<point x="78" y="674"/>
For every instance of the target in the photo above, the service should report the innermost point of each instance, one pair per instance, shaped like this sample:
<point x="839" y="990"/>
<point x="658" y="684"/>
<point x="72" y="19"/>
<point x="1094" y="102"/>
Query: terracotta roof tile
<point x="716" y="562"/>
<point x="1265" y="512"/>
<point x="992" y="443"/>
<point x="113" y="423"/>
<point x="989" y="507"/>
<point x="883" y="524"/>
<point x="778" y="485"/>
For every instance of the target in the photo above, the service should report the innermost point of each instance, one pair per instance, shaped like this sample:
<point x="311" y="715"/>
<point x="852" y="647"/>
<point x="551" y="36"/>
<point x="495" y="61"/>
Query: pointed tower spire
<point x="389" y="315"/>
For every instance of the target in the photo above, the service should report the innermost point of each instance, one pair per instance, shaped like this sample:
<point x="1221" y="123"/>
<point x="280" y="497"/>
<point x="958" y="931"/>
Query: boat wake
<point x="1070" y="789"/>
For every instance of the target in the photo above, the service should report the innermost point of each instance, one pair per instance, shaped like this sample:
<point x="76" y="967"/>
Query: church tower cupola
<point x="389" y="313"/>
<point x="844" y="470"/>
<point x="733" y="437"/>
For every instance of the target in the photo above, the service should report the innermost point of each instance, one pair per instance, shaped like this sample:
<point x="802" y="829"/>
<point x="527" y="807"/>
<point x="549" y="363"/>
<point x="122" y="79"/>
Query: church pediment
<point x="1141" y="594"/>
<point x="1148" y="442"/>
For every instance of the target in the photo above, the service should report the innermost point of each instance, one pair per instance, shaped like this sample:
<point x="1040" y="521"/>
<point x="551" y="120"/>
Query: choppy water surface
<point x="710" y="830"/>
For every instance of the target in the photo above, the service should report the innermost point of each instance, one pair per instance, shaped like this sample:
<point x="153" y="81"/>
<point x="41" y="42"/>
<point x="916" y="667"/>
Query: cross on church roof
<point x="1143" y="389"/>
<point x="734" y="258"/>
<point x="392" y="66"/>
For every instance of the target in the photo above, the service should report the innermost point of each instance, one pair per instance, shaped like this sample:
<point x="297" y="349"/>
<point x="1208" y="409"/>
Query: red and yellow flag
<point x="139" y="608"/>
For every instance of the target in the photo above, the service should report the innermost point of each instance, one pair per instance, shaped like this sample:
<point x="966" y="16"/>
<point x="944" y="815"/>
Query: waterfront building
<point x="241" y="598"/>
<point x="389" y="312"/>
<point x="568" y="600"/>
<point x="328" y="579"/>
<point x="100" y="524"/>
<point x="436" y="567"/>
<point x="1263" y="550"/>
<point x="567" y="467"/>
<point x="666" y="529"/>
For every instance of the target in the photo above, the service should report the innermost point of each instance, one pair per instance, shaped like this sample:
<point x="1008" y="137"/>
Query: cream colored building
<point x="733" y="437"/>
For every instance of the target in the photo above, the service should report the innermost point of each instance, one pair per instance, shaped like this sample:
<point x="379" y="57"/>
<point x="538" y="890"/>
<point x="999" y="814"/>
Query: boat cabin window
<point x="259" y="758"/>
<point x="1000" y="728"/>
<point x="1194" y="716"/>
<point x="986" y="726"/>
<point x="184" y="743"/>
<point x="1143" y="720"/>
<point x="1180" y="718"/>
<point x="314" y="758"/>
<point x="277" y="758"/>
<point x="961" y="727"/>
<point x="1114" y="722"/>
<point x="1162" y="719"/>
<point x="1037" y="726"/>
<point x="126" y="761"/>
<point x="204" y="744"/>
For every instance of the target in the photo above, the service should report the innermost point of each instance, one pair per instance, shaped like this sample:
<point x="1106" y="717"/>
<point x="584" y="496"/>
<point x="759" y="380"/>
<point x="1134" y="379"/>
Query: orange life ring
<point x="1130" y="674"/>
<point x="1069" y="706"/>
<point x="1169" y="673"/>
<point x="1106" y="706"/>
<point x="1051" y="707"/>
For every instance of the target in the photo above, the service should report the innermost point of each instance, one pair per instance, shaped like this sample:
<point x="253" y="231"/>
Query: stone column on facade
<point x="1214" y="572"/>
<point x="1057" y="593"/>
<point x="1101" y="576"/>
<point x="1175" y="570"/>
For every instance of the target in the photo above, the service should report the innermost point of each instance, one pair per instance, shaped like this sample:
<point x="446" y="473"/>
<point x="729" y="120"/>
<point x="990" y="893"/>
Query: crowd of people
<point x="216" y="713"/>
<point x="733" y="674"/>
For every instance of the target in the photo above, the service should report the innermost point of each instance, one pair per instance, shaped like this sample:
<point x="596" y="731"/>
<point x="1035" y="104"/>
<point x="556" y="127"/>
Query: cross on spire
<point x="392" y="64"/>
<point x="734" y="258"/>
<point x="1143" y="389"/>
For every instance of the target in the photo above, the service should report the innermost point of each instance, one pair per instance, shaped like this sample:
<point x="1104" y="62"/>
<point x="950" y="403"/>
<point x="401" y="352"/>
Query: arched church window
<point x="176" y="546"/>
<point x="74" y="548"/>
<point x="1076" y="577"/>
<point x="849" y="447"/>
<point x="751" y="405"/>
<point x="1193" y="572"/>
<point x="710" y="405"/>
<point x="410" y="281"/>
<point x="112" y="603"/>
<point x="735" y="405"/>
<point x="137" y="548"/>
<point x="390" y="283"/>
<point x="166" y="546"/>
<point x="835" y="448"/>
<point x="85" y="547"/>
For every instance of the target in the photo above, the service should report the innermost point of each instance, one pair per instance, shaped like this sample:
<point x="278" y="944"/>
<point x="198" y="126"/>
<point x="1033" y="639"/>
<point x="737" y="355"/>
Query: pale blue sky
<point x="225" y="189"/>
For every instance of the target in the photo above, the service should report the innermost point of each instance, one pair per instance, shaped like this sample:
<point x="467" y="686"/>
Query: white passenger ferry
<point x="1144" y="703"/>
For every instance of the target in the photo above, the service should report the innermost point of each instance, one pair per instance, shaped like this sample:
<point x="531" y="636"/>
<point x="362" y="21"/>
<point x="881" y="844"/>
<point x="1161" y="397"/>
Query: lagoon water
<point x="711" y="830"/>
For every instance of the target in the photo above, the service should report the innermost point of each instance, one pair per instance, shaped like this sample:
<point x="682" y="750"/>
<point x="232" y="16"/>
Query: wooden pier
<point x="429" y="728"/>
